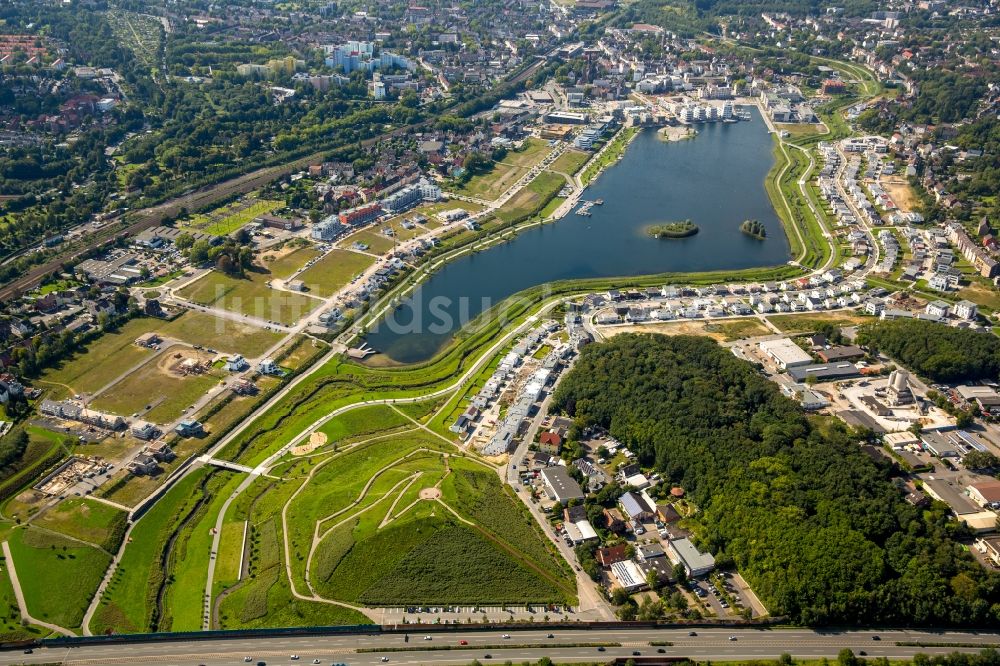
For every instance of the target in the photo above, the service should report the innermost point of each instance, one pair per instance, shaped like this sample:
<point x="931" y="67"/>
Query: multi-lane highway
<point x="717" y="644"/>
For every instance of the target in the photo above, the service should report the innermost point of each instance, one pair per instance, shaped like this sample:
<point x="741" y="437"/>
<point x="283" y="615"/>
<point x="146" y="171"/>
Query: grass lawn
<point x="250" y="295"/>
<point x="227" y="565"/>
<point x="168" y="393"/>
<point x="101" y="361"/>
<point x="11" y="628"/>
<point x="285" y="263"/>
<point x="531" y="153"/>
<point x="570" y="162"/>
<point x="797" y="324"/>
<point x="332" y="272"/>
<point x="533" y="197"/>
<point x="365" y="503"/>
<point x="551" y="207"/>
<point x="506" y="172"/>
<point x="44" y="448"/>
<point x="87" y="520"/>
<point x="981" y="294"/>
<point x="189" y="559"/>
<point x="377" y="242"/>
<point x="198" y="328"/>
<point x="128" y="603"/>
<point x="58" y="575"/>
<point x="371" y="419"/>
<point x="800" y="129"/>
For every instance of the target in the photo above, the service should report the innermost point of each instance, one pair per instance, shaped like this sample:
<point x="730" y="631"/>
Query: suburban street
<point x="714" y="644"/>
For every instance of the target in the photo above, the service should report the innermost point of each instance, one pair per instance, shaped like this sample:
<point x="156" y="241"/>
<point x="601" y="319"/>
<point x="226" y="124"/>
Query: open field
<point x="800" y="129"/>
<point x="250" y="295"/>
<point x="901" y="193"/>
<point x="90" y="369"/>
<point x="723" y="331"/>
<point x="980" y="294"/>
<point x="58" y="575"/>
<point x="532" y="198"/>
<point x="198" y="328"/>
<point x="83" y="518"/>
<point x="336" y="269"/>
<point x="505" y="173"/>
<point x="157" y="385"/>
<point x="569" y="162"/>
<point x="363" y="420"/>
<point x="285" y="261"/>
<point x="806" y="323"/>
<point x="111" y="354"/>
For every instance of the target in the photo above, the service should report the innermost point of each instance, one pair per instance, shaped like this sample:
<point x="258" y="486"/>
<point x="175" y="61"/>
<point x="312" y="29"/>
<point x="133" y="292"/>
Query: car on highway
<point x="316" y="661"/>
<point x="384" y="659"/>
<point x="428" y="638"/>
<point x="876" y="637"/>
<point x="660" y="651"/>
<point x="463" y="642"/>
<point x="550" y="636"/>
<point x="487" y="656"/>
<point x="636" y="653"/>
<point x="247" y="660"/>
<point x="692" y="633"/>
<point x="732" y="638"/>
<point x="601" y="648"/>
<point x="505" y="636"/>
<point x="293" y="657"/>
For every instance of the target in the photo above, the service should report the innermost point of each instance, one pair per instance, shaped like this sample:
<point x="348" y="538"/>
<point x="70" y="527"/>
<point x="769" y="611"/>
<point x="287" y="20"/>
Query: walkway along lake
<point x="715" y="179"/>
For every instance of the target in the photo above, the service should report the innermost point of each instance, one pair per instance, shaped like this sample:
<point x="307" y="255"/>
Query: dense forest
<point x="936" y="351"/>
<point x="814" y="524"/>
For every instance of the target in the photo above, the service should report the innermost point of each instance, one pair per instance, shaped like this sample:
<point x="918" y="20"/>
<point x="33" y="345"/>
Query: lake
<point x="715" y="179"/>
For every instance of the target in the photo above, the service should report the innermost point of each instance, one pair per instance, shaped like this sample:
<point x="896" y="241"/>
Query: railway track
<point x="154" y="215"/>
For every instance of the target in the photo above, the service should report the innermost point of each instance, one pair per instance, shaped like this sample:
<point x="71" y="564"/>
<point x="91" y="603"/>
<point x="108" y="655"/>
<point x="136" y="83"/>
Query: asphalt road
<point x="714" y="644"/>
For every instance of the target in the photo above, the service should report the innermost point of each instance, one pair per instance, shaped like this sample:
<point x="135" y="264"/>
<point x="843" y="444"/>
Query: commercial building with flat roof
<point x="824" y="373"/>
<point x="560" y="486"/>
<point x="785" y="353"/>
<point x="683" y="552"/>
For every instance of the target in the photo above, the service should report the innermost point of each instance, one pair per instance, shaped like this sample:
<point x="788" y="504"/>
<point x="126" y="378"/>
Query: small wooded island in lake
<point x="754" y="228"/>
<point x="680" y="229"/>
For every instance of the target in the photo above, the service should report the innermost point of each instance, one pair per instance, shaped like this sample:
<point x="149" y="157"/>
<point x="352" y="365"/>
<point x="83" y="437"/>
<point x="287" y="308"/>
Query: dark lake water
<point x="715" y="179"/>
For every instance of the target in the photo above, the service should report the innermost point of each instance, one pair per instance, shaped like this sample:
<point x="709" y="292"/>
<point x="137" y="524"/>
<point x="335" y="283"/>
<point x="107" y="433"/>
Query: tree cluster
<point x="936" y="351"/>
<point x="816" y="526"/>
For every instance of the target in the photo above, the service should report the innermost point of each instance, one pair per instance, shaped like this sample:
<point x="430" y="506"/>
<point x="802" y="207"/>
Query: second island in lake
<point x="754" y="228"/>
<point x="681" y="229"/>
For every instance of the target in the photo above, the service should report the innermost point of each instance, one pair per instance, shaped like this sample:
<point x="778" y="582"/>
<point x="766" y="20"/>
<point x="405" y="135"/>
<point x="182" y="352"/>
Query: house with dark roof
<point x="608" y="556"/>
<point x="666" y="513"/>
